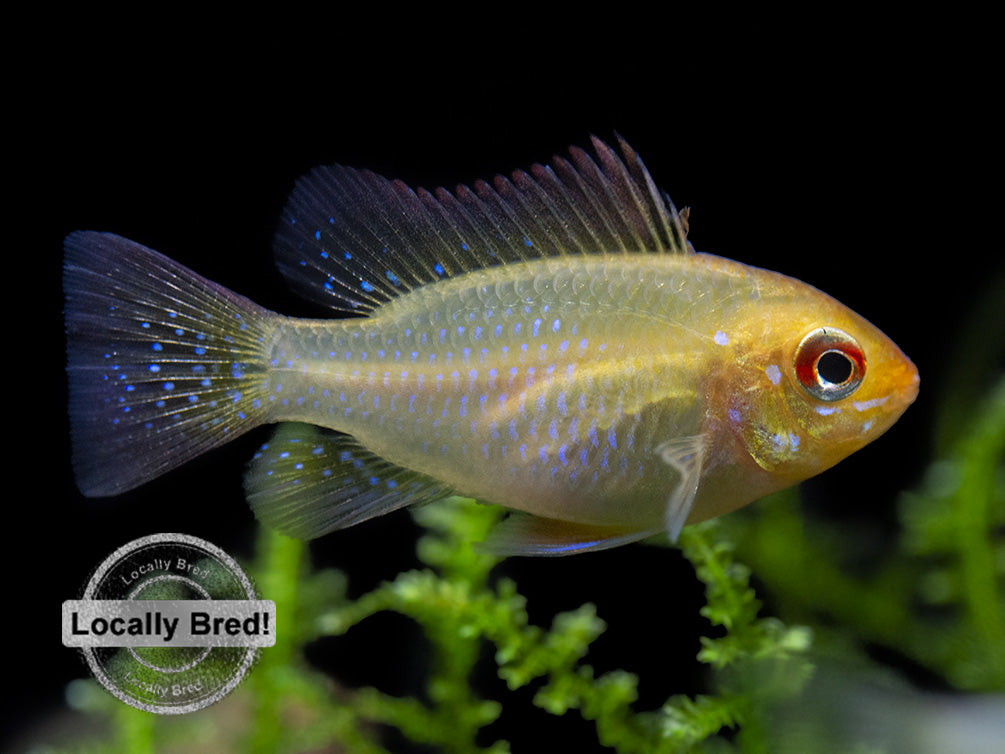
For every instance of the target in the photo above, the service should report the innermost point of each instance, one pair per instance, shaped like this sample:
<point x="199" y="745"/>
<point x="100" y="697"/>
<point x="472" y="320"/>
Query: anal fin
<point x="306" y="482"/>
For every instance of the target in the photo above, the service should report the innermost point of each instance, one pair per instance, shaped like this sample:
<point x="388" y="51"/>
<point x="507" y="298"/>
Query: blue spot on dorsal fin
<point x="586" y="204"/>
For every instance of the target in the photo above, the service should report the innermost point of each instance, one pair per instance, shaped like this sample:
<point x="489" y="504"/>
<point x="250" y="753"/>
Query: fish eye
<point x="829" y="364"/>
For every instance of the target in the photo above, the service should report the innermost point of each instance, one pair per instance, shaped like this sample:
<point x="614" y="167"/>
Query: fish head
<point x="819" y="382"/>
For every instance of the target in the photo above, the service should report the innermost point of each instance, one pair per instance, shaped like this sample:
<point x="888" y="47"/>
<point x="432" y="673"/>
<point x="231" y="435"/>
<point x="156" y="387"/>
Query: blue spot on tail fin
<point x="161" y="362"/>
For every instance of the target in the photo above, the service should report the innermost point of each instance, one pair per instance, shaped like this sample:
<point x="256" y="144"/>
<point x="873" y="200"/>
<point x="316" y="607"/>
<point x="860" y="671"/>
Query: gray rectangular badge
<point x="169" y="623"/>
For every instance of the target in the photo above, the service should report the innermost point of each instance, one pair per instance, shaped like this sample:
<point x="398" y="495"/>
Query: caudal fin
<point x="163" y="364"/>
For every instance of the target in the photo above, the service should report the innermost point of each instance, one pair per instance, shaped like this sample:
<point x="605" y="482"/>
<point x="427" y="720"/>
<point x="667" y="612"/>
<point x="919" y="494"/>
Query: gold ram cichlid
<point x="549" y="343"/>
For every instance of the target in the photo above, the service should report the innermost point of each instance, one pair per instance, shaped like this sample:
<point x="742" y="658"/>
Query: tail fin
<point x="163" y="364"/>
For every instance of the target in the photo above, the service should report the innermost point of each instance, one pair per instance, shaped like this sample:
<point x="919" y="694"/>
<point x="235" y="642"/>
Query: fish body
<point x="551" y="344"/>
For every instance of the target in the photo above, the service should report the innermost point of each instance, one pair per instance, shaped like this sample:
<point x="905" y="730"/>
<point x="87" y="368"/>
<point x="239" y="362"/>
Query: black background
<point x="854" y="154"/>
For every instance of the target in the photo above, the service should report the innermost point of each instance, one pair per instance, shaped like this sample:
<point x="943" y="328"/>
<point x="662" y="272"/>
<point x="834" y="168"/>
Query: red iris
<point x="829" y="364"/>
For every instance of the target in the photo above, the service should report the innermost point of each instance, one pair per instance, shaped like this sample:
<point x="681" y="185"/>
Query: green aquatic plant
<point x="459" y="606"/>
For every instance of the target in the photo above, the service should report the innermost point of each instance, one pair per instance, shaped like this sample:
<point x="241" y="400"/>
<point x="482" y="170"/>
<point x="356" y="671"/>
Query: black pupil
<point x="834" y="367"/>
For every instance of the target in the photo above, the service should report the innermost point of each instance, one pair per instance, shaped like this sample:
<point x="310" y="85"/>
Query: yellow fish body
<point x="549" y="343"/>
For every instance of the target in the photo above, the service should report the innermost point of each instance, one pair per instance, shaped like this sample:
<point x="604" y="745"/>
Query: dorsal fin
<point x="352" y="240"/>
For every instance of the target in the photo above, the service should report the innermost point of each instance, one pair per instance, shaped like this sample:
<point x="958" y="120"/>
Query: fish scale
<point x="549" y="342"/>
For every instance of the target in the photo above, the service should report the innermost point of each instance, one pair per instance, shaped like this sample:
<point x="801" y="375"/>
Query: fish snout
<point x="909" y="381"/>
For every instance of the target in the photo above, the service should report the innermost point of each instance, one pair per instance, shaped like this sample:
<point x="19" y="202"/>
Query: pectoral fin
<point x="686" y="455"/>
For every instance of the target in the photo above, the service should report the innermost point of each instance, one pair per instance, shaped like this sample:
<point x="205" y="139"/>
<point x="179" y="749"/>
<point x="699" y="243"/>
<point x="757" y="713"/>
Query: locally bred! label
<point x="169" y="624"/>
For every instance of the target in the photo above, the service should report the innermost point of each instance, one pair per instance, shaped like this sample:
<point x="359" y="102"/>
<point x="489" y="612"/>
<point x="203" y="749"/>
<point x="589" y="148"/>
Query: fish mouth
<point x="893" y="405"/>
<point x="910" y="383"/>
<point x="903" y="382"/>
